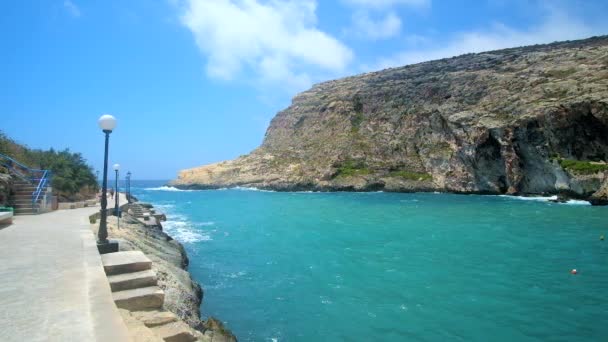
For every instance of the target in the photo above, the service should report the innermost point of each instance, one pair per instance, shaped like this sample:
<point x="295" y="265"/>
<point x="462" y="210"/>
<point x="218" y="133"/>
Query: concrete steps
<point x="155" y="318"/>
<point x="133" y="280"/>
<point x="125" y="262"/>
<point x="24" y="211"/>
<point x="134" y="288"/>
<point x="21" y="200"/>
<point x="175" y="332"/>
<point x="143" y="298"/>
<point x="137" y="210"/>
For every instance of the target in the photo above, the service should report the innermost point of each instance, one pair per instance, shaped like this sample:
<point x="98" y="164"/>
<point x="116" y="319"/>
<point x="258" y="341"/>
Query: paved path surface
<point x="52" y="283"/>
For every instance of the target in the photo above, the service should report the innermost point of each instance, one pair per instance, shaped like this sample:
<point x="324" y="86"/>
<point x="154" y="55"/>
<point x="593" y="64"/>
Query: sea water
<point x="392" y="267"/>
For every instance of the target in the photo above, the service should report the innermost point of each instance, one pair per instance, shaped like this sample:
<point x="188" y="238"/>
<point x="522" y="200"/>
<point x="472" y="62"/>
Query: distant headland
<point x="523" y="121"/>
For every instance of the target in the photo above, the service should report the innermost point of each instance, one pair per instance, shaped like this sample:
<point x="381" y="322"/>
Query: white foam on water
<point x="244" y="188"/>
<point x="546" y="199"/>
<point x="166" y="188"/>
<point x="325" y="300"/>
<point x="535" y="198"/>
<point x="237" y="275"/>
<point x="182" y="231"/>
<point x="164" y="206"/>
<point x="577" y="202"/>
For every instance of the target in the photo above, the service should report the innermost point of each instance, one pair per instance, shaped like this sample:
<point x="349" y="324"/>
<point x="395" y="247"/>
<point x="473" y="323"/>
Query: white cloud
<point x="556" y="26"/>
<point x="388" y="3"/>
<point x="275" y="41"/>
<point x="364" y="26"/>
<point x="72" y="8"/>
<point x="371" y="27"/>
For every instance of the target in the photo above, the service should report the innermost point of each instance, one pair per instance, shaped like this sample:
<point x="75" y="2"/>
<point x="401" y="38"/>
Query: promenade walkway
<point x="52" y="283"/>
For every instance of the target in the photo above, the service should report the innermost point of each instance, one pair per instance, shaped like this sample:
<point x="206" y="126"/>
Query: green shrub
<point x="356" y="121"/>
<point x="350" y="168"/>
<point x="416" y="176"/>
<point x="559" y="73"/>
<point x="358" y="117"/>
<point x="71" y="173"/>
<point x="582" y="167"/>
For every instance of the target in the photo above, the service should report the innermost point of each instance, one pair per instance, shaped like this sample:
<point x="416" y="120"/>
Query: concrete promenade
<point x="52" y="283"/>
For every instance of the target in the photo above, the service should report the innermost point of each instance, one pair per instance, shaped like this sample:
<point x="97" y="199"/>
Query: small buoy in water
<point x="602" y="237"/>
<point x="574" y="271"/>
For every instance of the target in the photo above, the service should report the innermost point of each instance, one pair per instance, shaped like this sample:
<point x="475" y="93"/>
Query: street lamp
<point x="107" y="123"/>
<point x="116" y="168"/>
<point x="129" y="186"/>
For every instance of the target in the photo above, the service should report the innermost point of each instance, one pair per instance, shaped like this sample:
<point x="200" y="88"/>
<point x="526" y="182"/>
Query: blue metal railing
<point x="46" y="176"/>
<point x="32" y="176"/>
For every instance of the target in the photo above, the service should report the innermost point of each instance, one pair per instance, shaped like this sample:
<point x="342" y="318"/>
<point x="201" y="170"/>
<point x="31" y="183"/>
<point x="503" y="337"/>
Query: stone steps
<point x="175" y="332"/>
<point x="21" y="200"/>
<point x="134" y="288"/>
<point x="23" y="196"/>
<point x="143" y="298"/>
<point x="132" y="280"/>
<point x="155" y="318"/>
<point x="125" y="262"/>
<point x="25" y="211"/>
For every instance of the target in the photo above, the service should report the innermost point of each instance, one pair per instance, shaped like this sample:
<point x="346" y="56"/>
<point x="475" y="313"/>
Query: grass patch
<point x="415" y="176"/>
<point x="582" y="167"/>
<point x="351" y="168"/>
<point x="357" y="118"/>
<point x="560" y="73"/>
<point x="355" y="121"/>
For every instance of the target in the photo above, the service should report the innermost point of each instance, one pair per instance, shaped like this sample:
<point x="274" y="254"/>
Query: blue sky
<point x="197" y="81"/>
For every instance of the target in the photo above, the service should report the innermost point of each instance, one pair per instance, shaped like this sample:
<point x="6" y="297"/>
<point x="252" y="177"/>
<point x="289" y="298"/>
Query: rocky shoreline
<point x="183" y="295"/>
<point x="599" y="198"/>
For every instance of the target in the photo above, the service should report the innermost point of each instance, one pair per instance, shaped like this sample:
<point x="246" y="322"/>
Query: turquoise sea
<point x="392" y="267"/>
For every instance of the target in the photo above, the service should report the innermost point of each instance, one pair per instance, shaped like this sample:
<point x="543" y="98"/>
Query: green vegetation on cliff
<point x="72" y="177"/>
<point x="416" y="176"/>
<point x="351" y="168"/>
<point x="582" y="166"/>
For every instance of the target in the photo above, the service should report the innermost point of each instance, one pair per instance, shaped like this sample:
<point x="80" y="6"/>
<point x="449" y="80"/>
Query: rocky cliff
<point x="530" y="120"/>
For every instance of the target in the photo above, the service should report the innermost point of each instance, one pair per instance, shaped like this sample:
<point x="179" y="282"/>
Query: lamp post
<point x="129" y="187"/>
<point x="117" y="193"/>
<point x="107" y="123"/>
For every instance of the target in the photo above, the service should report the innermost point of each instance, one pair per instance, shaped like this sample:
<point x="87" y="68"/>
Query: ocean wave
<point x="166" y="188"/>
<point x="245" y="188"/>
<point x="546" y="199"/>
<point x="577" y="202"/>
<point x="536" y="198"/>
<point x="237" y="275"/>
<point x="182" y="231"/>
<point x="164" y="206"/>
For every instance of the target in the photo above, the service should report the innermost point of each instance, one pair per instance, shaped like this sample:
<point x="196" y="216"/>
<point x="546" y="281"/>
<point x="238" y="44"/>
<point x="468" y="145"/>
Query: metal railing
<point x="42" y="184"/>
<point x="39" y="178"/>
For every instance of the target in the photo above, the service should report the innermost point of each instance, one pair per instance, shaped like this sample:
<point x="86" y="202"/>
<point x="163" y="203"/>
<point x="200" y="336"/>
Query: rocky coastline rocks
<point x="522" y="121"/>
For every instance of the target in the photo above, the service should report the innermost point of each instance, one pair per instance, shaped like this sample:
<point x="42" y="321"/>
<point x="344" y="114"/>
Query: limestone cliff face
<point x="526" y="120"/>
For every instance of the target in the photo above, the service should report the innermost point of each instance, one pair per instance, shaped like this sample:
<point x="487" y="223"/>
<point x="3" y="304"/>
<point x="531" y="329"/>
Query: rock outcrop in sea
<point x="529" y="120"/>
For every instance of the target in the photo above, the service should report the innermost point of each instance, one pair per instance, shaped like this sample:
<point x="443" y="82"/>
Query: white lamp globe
<point x="116" y="167"/>
<point x="107" y="122"/>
